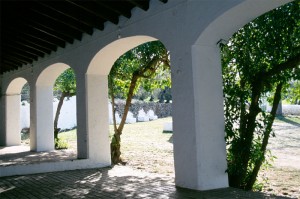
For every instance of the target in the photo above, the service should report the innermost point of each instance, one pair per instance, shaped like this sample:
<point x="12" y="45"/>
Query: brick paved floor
<point x="21" y="155"/>
<point x="118" y="182"/>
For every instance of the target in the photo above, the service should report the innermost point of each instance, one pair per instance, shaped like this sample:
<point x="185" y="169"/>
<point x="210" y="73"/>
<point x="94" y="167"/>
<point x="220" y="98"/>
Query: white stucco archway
<point x="41" y="111"/>
<point x="105" y="58"/>
<point x="207" y="168"/>
<point x="191" y="31"/>
<point x="97" y="94"/>
<point x="12" y="112"/>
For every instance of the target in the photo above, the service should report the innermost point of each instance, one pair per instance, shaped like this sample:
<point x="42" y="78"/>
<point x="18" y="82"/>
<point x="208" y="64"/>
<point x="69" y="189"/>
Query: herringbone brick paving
<point x="119" y="182"/>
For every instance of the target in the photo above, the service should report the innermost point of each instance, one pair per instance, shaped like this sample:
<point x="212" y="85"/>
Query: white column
<point x="198" y="118"/>
<point x="81" y="107"/>
<point x="209" y="117"/>
<point x="2" y="123"/>
<point x="97" y="119"/>
<point x="12" y="119"/>
<point x="184" y="133"/>
<point x="41" y="113"/>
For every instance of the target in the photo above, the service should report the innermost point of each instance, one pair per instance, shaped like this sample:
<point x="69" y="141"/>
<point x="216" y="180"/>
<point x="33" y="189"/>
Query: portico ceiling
<point x="31" y="29"/>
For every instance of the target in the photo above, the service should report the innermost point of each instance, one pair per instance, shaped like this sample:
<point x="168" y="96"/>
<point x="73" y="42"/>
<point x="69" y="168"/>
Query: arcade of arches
<point x="191" y="31"/>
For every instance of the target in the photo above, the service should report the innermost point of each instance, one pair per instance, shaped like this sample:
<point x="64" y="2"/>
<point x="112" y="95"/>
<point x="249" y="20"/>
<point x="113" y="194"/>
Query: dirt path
<point x="283" y="178"/>
<point x="152" y="151"/>
<point x="286" y="145"/>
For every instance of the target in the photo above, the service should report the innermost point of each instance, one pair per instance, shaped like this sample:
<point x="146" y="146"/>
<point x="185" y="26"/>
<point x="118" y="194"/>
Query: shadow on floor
<point x="285" y="119"/>
<point x="118" y="182"/>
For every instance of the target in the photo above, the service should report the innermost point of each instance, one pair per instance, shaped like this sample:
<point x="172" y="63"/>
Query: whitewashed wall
<point x="67" y="118"/>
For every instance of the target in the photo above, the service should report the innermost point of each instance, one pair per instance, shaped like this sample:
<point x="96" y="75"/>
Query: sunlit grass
<point x="144" y="146"/>
<point x="68" y="135"/>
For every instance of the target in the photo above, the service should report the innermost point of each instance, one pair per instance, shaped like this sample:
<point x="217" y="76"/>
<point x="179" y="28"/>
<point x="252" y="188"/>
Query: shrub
<point x="61" y="144"/>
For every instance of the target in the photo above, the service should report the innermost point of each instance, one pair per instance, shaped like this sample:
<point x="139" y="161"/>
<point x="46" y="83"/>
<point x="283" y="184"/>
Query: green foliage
<point x="145" y="66"/>
<point x="133" y="62"/>
<point x="66" y="82"/>
<point x="25" y="92"/>
<point x="292" y="93"/>
<point x="61" y="144"/>
<point x="259" y="59"/>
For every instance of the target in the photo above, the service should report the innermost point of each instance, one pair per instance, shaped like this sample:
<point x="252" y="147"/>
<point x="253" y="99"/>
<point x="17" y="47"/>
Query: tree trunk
<point x="116" y="140"/>
<point x="115" y="145"/>
<point x="243" y="148"/>
<point x="258" y="163"/>
<point x="60" y="103"/>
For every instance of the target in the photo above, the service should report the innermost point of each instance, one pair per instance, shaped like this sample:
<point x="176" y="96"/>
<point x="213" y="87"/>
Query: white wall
<point x="67" y="118"/>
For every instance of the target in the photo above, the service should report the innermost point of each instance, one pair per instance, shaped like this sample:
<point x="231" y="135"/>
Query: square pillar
<point x="41" y="114"/>
<point x="209" y="114"/>
<point x="198" y="118"/>
<point x="81" y="108"/>
<point x="97" y="119"/>
<point x="12" y="119"/>
<point x="2" y="123"/>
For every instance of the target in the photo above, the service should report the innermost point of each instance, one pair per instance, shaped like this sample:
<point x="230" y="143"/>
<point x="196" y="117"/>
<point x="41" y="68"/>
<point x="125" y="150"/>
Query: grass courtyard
<point x="146" y="147"/>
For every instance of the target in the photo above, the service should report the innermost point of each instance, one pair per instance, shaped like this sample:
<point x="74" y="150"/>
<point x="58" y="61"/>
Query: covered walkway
<point x="190" y="30"/>
<point x="118" y="182"/>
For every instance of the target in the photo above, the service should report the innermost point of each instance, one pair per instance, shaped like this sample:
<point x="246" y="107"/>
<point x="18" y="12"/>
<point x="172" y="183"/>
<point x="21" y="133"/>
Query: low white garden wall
<point x="67" y="118"/>
<point x="288" y="109"/>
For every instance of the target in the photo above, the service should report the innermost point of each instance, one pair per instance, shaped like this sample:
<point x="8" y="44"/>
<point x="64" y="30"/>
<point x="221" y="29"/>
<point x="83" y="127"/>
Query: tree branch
<point x="291" y="63"/>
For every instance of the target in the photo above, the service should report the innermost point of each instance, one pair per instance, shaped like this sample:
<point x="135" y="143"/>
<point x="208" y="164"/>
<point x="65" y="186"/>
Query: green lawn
<point x="144" y="146"/>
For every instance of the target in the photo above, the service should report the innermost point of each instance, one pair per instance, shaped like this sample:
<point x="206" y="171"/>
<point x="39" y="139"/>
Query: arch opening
<point x="97" y="78"/>
<point x="246" y="61"/>
<point x="206" y="169"/>
<point x="45" y="107"/>
<point x="65" y="112"/>
<point x="209" y="111"/>
<point x="13" y="111"/>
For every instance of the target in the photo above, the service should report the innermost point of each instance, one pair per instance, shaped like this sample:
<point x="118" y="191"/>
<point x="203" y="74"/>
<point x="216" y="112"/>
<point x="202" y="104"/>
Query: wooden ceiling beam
<point x="55" y="34"/>
<point x="42" y="35"/>
<point x="66" y="22"/>
<point x="32" y="29"/>
<point x="76" y="15"/>
<point x="97" y="11"/>
<point x="31" y="40"/>
<point x="14" y="62"/>
<point x="24" y="55"/>
<point x="23" y="49"/>
<point x="18" y="57"/>
<point x="53" y="25"/>
<point x="144" y="5"/>
<point x="120" y="8"/>
<point x="31" y="45"/>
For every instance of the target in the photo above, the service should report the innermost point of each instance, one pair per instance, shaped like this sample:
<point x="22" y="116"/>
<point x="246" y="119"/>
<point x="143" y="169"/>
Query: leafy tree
<point x="261" y="57"/>
<point x="25" y="92"/>
<point x="165" y="94"/>
<point x="65" y="84"/>
<point x="292" y="92"/>
<point x="146" y="65"/>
